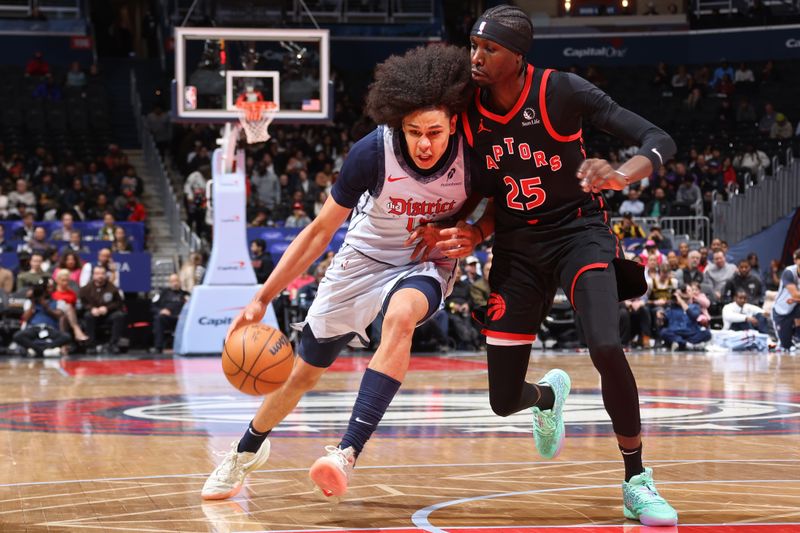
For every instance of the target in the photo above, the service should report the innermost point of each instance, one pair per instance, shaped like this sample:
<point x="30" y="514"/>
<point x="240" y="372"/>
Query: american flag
<point x="311" y="105"/>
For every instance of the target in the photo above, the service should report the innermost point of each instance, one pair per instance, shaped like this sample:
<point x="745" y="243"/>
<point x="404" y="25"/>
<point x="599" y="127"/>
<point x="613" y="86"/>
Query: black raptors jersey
<point x="531" y="166"/>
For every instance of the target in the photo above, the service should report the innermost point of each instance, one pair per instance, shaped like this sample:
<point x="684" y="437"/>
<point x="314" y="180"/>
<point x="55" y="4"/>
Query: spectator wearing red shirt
<point x="137" y="211"/>
<point x="66" y="299"/>
<point x="729" y="179"/>
<point x="37" y="66"/>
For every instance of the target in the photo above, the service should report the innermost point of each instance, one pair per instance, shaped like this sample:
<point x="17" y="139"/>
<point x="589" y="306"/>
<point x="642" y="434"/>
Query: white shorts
<point x="354" y="289"/>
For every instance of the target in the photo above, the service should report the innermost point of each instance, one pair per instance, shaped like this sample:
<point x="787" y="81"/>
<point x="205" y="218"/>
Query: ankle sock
<point x="633" y="461"/>
<point x="547" y="398"/>
<point x="252" y="440"/>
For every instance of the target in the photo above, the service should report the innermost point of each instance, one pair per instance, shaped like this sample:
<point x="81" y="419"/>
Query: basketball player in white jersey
<point x="410" y="170"/>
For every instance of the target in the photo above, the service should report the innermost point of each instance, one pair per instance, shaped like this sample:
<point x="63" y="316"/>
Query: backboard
<point x="216" y="66"/>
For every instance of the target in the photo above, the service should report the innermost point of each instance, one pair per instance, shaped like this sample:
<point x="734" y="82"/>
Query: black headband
<point x="503" y="35"/>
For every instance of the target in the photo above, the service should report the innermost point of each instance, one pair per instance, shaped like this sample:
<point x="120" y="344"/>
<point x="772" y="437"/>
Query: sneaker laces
<point x="648" y="489"/>
<point x="338" y="455"/>
<point x="228" y="463"/>
<point x="546" y="424"/>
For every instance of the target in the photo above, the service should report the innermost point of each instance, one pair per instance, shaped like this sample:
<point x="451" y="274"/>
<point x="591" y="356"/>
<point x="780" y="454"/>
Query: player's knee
<point x="605" y="354"/>
<point x="501" y="404"/>
<point x="399" y="322"/>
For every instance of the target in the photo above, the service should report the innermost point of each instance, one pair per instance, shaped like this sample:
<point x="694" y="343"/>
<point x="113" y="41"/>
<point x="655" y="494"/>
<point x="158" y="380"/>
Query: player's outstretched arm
<point x="572" y="98"/>
<point x="301" y="253"/>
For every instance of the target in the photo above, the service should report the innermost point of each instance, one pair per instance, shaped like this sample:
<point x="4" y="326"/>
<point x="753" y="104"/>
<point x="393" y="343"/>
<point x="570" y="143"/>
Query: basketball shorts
<point x="356" y="288"/>
<point x="530" y="264"/>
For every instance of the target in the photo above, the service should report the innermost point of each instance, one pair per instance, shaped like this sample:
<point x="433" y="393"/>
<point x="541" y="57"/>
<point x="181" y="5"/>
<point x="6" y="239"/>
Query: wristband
<point x="627" y="178"/>
<point x="483" y="237"/>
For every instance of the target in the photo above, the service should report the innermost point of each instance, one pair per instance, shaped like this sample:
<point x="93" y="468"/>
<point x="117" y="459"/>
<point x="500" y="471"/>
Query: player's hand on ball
<point x="426" y="236"/>
<point x="460" y="240"/>
<point x="597" y="174"/>
<point x="251" y="314"/>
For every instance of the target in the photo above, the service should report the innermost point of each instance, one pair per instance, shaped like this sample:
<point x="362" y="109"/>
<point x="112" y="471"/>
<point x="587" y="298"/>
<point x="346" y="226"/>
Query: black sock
<point x="633" y="462"/>
<point x="547" y="398"/>
<point x="252" y="440"/>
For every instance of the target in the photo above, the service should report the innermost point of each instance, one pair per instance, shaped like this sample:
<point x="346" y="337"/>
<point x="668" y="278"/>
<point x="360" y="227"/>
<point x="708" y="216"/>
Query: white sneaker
<point x="226" y="480"/>
<point x="51" y="352"/>
<point x="331" y="473"/>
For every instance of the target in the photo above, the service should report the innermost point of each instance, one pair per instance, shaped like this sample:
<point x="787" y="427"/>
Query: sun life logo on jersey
<point x="529" y="114"/>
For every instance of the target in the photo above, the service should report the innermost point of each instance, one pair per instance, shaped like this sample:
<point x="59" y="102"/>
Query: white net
<point x="255" y="118"/>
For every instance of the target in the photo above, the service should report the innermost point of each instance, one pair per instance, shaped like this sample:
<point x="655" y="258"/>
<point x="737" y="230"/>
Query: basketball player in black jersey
<point x="551" y="230"/>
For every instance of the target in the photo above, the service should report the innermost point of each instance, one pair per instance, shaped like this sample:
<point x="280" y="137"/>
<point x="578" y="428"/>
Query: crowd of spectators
<point x="55" y="301"/>
<point x="721" y="131"/>
<point x="46" y="186"/>
<point x="692" y="291"/>
<point x="60" y="304"/>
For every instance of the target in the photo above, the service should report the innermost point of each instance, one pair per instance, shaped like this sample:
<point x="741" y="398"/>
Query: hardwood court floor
<point x="125" y="445"/>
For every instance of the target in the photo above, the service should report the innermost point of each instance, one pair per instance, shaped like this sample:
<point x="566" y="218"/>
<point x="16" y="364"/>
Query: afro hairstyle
<point x="426" y="77"/>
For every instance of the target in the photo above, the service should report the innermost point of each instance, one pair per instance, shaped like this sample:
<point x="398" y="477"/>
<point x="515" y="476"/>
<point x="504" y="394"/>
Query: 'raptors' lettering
<point x="407" y="206"/>
<point x="523" y="150"/>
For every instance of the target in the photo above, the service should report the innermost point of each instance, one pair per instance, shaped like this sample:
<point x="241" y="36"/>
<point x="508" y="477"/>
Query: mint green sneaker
<point x="642" y="502"/>
<point x="548" y="426"/>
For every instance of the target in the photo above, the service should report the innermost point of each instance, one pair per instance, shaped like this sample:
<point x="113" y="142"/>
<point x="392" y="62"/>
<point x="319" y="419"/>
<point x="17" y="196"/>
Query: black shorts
<point x="529" y="264"/>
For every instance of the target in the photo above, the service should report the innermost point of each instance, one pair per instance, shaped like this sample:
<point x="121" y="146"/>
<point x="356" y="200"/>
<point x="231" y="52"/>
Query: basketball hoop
<point x="255" y="118"/>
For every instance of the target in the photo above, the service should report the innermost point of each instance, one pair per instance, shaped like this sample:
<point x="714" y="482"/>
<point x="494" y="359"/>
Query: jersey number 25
<point x="526" y="189"/>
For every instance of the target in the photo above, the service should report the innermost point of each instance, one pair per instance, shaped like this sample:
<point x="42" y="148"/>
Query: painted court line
<point x="420" y="518"/>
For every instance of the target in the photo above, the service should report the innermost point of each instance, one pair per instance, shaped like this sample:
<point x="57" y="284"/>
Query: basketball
<point x="257" y="359"/>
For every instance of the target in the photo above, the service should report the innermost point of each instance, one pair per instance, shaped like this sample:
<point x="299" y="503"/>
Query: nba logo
<point x="190" y="98"/>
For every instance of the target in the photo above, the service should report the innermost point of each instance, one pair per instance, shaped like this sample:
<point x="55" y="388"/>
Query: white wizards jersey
<point x="404" y="199"/>
<point x="782" y="305"/>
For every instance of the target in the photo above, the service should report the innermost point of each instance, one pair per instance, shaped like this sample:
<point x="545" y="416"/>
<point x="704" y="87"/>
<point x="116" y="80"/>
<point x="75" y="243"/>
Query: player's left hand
<point x="460" y="240"/>
<point x="597" y="174"/>
<point x="426" y="236"/>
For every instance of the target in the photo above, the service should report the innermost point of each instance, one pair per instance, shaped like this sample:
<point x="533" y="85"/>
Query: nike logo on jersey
<point x="659" y="155"/>
<point x="362" y="421"/>
<point x="392" y="179"/>
<point x="481" y="127"/>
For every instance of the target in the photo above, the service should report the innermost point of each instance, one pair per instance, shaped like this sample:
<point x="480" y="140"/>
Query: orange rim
<point x="254" y="110"/>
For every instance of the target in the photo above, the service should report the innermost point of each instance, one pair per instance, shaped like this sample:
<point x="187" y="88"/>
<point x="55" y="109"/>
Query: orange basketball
<point x="257" y="359"/>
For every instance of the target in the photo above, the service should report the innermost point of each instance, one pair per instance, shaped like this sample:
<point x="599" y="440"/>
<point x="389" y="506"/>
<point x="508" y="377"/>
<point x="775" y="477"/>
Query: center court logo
<point x="468" y="412"/>
<point x="414" y="413"/>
